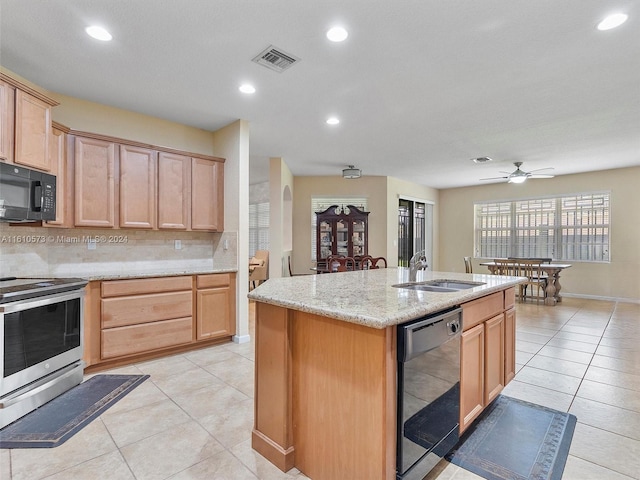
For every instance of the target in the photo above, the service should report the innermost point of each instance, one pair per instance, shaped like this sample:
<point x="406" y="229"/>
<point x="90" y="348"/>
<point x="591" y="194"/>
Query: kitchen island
<point x="325" y="363"/>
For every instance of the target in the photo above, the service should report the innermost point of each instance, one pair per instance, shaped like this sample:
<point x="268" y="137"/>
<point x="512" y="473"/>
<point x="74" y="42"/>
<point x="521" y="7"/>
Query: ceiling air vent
<point x="275" y="59"/>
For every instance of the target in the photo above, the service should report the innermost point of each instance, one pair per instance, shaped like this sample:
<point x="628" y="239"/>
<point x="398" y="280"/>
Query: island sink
<point x="439" y="285"/>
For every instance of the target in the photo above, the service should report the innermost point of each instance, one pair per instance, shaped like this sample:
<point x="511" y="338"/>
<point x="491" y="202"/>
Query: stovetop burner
<point x="13" y="289"/>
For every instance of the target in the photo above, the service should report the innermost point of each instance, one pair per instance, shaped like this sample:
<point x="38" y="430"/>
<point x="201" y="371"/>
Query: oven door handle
<point x="20" y="397"/>
<point x="41" y="301"/>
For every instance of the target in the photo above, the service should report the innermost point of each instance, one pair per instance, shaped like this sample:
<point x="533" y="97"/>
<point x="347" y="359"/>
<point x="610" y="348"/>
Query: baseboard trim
<point x="241" y="339"/>
<point x="282" y="458"/>
<point x="601" y="297"/>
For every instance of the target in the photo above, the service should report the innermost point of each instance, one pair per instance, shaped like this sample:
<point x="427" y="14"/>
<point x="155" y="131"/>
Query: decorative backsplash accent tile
<point x="56" y="252"/>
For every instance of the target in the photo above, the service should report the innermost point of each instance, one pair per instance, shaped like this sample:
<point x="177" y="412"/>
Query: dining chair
<point x="535" y="278"/>
<point x="291" y="274"/>
<point x="468" y="268"/>
<point x="259" y="267"/>
<point x="505" y="266"/>
<point x="340" y="264"/>
<point x="371" y="263"/>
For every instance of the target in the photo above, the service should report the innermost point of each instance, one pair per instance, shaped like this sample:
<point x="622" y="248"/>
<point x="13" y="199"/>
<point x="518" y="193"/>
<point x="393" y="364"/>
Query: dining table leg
<point x="552" y="292"/>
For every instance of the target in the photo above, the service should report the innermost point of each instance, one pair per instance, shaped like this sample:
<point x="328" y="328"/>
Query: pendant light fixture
<point x="351" y="172"/>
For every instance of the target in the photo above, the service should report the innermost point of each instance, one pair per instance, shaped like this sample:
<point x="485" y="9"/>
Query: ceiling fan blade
<point x="495" y="178"/>
<point x="540" y="175"/>
<point x="540" y="169"/>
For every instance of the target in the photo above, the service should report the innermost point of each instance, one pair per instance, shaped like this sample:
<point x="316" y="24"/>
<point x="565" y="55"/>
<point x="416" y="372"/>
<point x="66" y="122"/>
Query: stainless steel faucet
<point x="417" y="262"/>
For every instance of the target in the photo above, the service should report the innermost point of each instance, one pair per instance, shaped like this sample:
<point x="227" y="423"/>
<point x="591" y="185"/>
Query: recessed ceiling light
<point x="337" y="34"/>
<point x="613" y="21"/>
<point x="333" y="120"/>
<point x="98" y="33"/>
<point x="246" y="88"/>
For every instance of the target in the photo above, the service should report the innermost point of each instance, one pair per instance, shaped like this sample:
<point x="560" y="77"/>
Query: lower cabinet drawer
<point x="477" y="311"/>
<point x="136" y="309"/>
<point x="145" y="337"/>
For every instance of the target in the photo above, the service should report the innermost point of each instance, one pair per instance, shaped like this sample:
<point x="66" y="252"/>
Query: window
<point x="320" y="204"/>
<point x="258" y="227"/>
<point x="570" y="227"/>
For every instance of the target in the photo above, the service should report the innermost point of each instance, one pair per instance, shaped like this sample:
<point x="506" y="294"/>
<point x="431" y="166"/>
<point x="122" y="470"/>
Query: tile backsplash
<point x="56" y="252"/>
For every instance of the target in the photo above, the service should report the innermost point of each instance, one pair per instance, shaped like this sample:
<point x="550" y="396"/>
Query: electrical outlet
<point x="91" y="245"/>
<point x="226" y="244"/>
<point x="177" y="244"/>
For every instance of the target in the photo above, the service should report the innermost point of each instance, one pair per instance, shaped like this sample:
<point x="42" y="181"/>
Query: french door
<point x="415" y="230"/>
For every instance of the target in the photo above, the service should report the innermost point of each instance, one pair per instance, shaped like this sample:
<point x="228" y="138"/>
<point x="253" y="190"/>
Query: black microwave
<point x="26" y="195"/>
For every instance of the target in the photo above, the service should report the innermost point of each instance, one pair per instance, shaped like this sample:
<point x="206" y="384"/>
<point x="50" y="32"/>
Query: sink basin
<point x="455" y="284"/>
<point x="439" y="285"/>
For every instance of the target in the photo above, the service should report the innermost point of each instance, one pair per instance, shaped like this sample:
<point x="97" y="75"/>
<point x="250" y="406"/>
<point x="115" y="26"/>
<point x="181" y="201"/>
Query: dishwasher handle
<point x="422" y="335"/>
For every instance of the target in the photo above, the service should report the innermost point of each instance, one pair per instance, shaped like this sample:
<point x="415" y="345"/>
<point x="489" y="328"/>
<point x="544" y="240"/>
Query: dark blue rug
<point x="516" y="440"/>
<point x="58" y="420"/>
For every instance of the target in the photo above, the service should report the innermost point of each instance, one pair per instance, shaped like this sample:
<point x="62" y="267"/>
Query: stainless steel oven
<point x="41" y="342"/>
<point x="428" y="421"/>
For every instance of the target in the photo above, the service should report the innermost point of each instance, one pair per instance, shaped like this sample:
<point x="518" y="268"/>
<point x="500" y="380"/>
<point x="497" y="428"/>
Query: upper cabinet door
<point x="207" y="195"/>
<point x="32" y="126"/>
<point x="174" y="191"/>
<point x="7" y="99"/>
<point x="58" y="152"/>
<point x="94" y="182"/>
<point x="137" y="187"/>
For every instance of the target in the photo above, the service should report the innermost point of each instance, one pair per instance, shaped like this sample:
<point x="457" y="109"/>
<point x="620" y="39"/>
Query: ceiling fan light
<point x="518" y="179"/>
<point x="351" y="172"/>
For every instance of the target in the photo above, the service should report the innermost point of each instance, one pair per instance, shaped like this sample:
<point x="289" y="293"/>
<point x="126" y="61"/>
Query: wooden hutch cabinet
<point x="341" y="230"/>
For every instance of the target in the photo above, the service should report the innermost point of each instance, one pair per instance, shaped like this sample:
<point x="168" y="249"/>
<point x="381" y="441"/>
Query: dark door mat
<point x="58" y="420"/>
<point x="516" y="440"/>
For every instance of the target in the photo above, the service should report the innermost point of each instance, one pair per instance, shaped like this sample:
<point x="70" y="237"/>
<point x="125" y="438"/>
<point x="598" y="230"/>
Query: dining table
<point x="552" y="270"/>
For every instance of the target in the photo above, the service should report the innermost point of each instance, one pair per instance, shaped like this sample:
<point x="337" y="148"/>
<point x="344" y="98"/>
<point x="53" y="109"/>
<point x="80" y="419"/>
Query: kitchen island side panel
<point x="272" y="434"/>
<point x="344" y="398"/>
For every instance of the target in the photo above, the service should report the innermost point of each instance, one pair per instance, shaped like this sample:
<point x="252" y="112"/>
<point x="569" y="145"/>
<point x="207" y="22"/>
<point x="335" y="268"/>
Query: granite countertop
<point x="367" y="297"/>
<point x="146" y="273"/>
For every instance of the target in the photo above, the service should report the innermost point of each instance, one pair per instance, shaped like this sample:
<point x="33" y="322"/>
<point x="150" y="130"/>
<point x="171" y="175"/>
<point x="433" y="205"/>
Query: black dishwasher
<point x="428" y="392"/>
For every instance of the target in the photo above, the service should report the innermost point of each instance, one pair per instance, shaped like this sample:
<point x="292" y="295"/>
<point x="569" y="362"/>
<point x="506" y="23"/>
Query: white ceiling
<point x="420" y="86"/>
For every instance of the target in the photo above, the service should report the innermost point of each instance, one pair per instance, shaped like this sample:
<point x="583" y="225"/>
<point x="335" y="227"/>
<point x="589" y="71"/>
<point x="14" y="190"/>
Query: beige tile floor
<point x="192" y="419"/>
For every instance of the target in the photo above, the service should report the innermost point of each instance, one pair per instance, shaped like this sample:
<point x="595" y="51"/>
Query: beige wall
<point x="92" y="117"/>
<point x="232" y="143"/>
<point x="86" y="116"/>
<point x="374" y="188"/>
<point x="382" y="194"/>
<point x="618" y="279"/>
<point x="397" y="189"/>
<point x="280" y="221"/>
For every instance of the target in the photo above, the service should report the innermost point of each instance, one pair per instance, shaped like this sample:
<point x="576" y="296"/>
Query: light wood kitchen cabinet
<point x="494" y="357"/>
<point x="137" y="187"/>
<point x="64" y="185"/>
<point x="207" y="195"/>
<point x="130" y="185"/>
<point x="472" y="374"/>
<point x="95" y="186"/>
<point x="509" y="345"/>
<point x="174" y="191"/>
<point x="144" y="315"/>
<point x="487" y="353"/>
<point x="7" y="112"/>
<point x="215" y="302"/>
<point x="32" y="127"/>
<point x="134" y="319"/>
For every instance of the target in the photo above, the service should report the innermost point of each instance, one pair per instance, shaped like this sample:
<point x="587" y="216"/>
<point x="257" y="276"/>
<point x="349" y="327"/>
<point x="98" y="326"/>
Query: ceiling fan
<point x="519" y="176"/>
